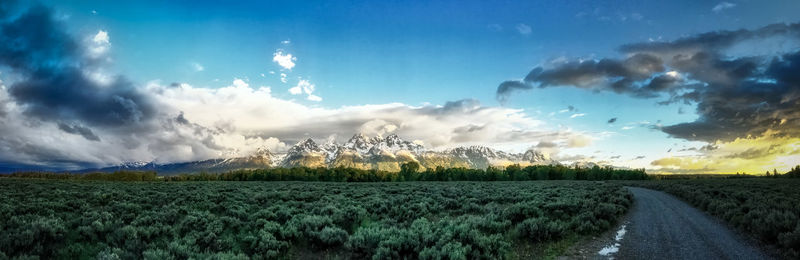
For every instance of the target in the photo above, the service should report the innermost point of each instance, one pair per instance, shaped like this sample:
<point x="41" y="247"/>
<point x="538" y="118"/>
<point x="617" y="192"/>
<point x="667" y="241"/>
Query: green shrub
<point x="540" y="229"/>
<point x="267" y="220"/>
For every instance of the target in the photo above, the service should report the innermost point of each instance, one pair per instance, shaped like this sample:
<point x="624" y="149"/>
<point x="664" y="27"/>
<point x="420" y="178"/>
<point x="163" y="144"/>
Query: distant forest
<point x="409" y="172"/>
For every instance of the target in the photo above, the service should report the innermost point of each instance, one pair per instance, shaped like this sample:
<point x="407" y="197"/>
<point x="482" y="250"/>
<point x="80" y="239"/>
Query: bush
<point x="223" y="220"/>
<point x="540" y="229"/>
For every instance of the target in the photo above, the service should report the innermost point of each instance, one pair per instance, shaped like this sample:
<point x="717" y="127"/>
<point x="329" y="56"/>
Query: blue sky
<point x="418" y="53"/>
<point x="355" y="50"/>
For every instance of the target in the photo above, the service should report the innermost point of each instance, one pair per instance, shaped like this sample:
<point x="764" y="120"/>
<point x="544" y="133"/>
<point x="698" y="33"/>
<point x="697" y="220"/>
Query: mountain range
<point x="359" y="152"/>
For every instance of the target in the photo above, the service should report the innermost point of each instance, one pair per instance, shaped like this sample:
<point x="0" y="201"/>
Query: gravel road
<point x="662" y="227"/>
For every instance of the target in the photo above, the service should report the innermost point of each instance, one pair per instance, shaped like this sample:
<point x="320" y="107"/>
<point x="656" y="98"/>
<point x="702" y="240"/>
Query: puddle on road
<point x="614" y="248"/>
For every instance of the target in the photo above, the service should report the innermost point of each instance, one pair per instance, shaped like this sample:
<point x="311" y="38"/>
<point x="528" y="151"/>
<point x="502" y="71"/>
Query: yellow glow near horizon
<point x="752" y="155"/>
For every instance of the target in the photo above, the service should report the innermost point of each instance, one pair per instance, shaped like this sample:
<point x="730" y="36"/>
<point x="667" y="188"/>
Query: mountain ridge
<point x="380" y="153"/>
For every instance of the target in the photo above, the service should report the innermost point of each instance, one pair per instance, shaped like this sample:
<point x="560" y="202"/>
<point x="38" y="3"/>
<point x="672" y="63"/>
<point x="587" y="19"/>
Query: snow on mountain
<point x="359" y="151"/>
<point x="358" y="143"/>
<point x="305" y="147"/>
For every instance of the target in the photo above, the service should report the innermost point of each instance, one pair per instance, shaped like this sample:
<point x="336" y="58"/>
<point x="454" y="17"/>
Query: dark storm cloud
<point x="53" y="68"/>
<point x="613" y="120"/>
<point x="588" y="74"/>
<point x="181" y="119"/>
<point x="750" y="106"/>
<point x="79" y="130"/>
<point x="754" y="153"/>
<point x="505" y="89"/>
<point x="714" y="40"/>
<point x="735" y="96"/>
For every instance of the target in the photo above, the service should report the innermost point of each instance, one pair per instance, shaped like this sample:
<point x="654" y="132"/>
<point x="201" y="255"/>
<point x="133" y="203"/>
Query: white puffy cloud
<point x="296" y="90"/>
<point x="305" y="86"/>
<point x="99" y="44"/>
<point x="284" y="60"/>
<point x="240" y="83"/>
<point x="314" y="98"/>
<point x="196" y="123"/>
<point x="101" y="37"/>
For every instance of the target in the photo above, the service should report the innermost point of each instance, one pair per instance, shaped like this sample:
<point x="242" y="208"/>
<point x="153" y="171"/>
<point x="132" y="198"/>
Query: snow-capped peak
<point x="535" y="156"/>
<point x="474" y="150"/>
<point x="307" y="146"/>
<point x="135" y="164"/>
<point x="357" y="143"/>
<point x="261" y="152"/>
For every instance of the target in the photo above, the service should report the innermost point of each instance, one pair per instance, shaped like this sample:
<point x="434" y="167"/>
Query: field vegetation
<point x="66" y="219"/>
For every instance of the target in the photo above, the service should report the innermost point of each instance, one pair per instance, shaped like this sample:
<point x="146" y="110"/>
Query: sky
<point x="670" y="86"/>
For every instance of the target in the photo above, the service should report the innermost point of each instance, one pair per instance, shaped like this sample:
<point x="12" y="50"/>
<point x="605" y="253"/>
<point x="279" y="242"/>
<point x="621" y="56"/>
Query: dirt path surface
<point x="660" y="226"/>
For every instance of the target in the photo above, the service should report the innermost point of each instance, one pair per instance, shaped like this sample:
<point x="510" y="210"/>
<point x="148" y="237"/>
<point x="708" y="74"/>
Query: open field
<point x="430" y="220"/>
<point x="766" y="209"/>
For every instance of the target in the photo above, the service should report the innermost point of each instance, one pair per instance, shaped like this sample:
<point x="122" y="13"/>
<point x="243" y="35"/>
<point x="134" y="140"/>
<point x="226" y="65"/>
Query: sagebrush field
<point x="180" y="220"/>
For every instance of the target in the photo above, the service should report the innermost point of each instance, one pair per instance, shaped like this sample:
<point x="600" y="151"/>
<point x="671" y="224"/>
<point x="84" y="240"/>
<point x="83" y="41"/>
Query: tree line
<point x="94" y="176"/>
<point x="409" y="172"/>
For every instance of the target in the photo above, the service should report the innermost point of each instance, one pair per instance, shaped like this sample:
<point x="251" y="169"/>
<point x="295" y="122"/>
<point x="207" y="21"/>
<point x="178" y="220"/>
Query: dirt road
<point x="662" y="227"/>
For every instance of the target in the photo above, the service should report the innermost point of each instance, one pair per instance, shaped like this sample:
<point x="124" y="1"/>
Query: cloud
<point x="546" y="144"/>
<point x="577" y="115"/>
<point x="578" y="141"/>
<point x="198" y="67"/>
<point x="101" y="37"/>
<point x="284" y="78"/>
<point x="305" y="86"/>
<point x="612" y="120"/>
<point x="296" y="90"/>
<point x="722" y="6"/>
<point x="753" y="155"/>
<point x="79" y="130"/>
<point x="239" y="83"/>
<point x="506" y="88"/>
<point x="201" y="123"/>
<point x="54" y="112"/>
<point x="523" y="29"/>
<point x="284" y="60"/>
<point x="735" y="95"/>
<point x="314" y="98"/>
<point x="55" y="75"/>
<point x="458" y="122"/>
<point x="569" y="109"/>
<point x="100" y="44"/>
